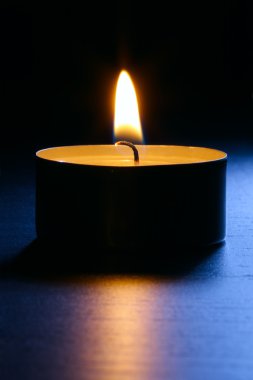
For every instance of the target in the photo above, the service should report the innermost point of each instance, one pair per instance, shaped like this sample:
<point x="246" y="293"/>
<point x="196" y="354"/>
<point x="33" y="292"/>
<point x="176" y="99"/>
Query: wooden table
<point x="117" y="320"/>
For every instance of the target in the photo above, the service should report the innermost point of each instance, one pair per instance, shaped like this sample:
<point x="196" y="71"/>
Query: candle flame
<point x="127" y="125"/>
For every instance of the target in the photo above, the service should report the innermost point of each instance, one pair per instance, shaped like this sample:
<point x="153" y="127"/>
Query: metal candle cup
<point x="176" y="195"/>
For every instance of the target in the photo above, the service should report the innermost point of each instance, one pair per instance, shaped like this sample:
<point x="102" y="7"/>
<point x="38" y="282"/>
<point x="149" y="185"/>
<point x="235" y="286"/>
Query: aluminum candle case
<point x="176" y="195"/>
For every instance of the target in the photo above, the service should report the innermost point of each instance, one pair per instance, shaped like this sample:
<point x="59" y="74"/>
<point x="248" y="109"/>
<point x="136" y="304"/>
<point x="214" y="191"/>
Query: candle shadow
<point x="44" y="259"/>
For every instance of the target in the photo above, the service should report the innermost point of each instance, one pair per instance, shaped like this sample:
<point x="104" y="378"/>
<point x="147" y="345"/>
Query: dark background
<point x="191" y="63"/>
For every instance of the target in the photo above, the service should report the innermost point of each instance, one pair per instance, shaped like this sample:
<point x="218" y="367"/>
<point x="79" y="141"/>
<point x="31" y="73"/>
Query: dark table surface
<point x="118" y="320"/>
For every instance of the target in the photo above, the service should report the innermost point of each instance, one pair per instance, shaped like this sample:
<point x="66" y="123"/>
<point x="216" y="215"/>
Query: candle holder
<point x="85" y="193"/>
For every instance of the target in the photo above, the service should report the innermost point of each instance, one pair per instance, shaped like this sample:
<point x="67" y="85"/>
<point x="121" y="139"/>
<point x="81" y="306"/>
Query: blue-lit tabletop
<point x="191" y="322"/>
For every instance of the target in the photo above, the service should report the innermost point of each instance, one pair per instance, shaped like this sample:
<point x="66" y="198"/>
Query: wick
<point x="136" y="153"/>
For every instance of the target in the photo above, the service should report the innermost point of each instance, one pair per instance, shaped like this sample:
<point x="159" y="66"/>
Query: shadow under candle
<point x="43" y="258"/>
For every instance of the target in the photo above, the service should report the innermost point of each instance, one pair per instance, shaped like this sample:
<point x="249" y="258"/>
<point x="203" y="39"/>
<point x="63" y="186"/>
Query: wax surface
<point x="149" y="155"/>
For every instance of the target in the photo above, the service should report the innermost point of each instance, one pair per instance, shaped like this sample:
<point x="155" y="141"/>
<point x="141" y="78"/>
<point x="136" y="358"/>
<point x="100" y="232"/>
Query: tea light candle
<point x="131" y="196"/>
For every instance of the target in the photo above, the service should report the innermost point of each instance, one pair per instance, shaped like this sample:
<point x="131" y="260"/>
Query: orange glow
<point x="127" y="125"/>
<point x="114" y="337"/>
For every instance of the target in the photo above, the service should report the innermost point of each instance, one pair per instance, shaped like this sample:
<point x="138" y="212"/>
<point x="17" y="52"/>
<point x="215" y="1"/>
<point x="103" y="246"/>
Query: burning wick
<point x="136" y="153"/>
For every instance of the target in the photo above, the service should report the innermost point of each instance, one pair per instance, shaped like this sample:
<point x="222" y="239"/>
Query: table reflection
<point x="117" y="335"/>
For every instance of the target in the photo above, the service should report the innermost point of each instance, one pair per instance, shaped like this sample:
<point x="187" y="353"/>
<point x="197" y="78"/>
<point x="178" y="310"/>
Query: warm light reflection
<point x="116" y="328"/>
<point x="127" y="125"/>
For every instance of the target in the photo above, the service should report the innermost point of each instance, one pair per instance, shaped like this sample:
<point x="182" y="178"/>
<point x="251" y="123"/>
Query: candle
<point x="131" y="195"/>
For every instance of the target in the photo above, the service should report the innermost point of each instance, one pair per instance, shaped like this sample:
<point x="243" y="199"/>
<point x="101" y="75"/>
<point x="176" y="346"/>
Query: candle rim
<point x="42" y="154"/>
